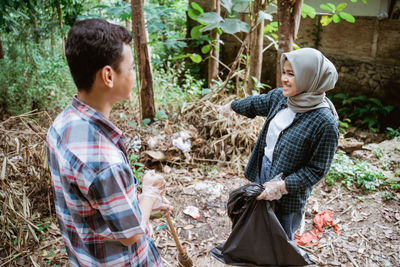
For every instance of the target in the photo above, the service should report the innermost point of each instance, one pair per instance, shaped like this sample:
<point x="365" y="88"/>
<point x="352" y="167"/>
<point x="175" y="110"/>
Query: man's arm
<point x="146" y="204"/>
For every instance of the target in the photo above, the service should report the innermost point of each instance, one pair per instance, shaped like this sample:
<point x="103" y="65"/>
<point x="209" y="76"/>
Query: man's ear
<point x="107" y="76"/>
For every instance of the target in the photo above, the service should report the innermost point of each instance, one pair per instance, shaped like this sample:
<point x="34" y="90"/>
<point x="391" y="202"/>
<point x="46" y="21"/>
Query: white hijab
<point x="315" y="75"/>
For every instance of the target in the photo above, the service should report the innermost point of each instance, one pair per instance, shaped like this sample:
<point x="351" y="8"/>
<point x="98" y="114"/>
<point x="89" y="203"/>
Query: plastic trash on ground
<point x="211" y="188"/>
<point x="182" y="141"/>
<point x="192" y="211"/>
<point x="257" y="237"/>
<point x="321" y="220"/>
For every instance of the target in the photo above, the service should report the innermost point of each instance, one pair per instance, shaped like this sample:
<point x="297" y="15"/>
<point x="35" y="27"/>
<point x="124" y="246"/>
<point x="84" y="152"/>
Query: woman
<point x="300" y="134"/>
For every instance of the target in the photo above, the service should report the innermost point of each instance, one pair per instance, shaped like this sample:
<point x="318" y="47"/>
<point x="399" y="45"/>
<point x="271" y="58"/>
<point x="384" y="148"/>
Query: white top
<point x="279" y="123"/>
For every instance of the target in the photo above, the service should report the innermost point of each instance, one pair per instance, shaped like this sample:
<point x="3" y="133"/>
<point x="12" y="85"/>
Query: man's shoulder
<point x="82" y="140"/>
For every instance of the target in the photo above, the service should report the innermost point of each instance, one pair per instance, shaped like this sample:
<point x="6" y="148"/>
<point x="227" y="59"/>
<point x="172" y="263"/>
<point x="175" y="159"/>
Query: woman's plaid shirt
<point x="95" y="191"/>
<point x="303" y="152"/>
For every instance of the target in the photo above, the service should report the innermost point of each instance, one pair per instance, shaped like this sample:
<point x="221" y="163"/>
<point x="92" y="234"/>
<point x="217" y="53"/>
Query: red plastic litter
<point x="321" y="220"/>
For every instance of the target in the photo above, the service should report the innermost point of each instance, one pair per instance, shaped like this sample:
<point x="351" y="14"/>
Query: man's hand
<point x="273" y="190"/>
<point x="153" y="184"/>
<point x="226" y="110"/>
<point x="164" y="206"/>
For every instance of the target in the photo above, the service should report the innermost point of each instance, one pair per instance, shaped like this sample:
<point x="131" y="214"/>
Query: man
<point x="102" y="219"/>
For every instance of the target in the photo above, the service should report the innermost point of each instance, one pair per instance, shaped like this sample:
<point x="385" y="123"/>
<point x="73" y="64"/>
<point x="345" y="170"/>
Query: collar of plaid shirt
<point x="112" y="132"/>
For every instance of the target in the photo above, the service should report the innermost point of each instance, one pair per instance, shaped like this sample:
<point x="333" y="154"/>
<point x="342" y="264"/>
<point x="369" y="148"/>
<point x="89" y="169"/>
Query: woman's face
<point x="288" y="80"/>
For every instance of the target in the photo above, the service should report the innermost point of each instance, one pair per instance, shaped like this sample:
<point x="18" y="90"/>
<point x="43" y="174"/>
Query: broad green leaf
<point x="332" y="6"/>
<point x="227" y="4"/>
<point x="326" y="7"/>
<point x="347" y="17"/>
<point x="232" y="26"/>
<point x="307" y="10"/>
<point x="195" y="58"/>
<point x="205" y="49"/>
<point x="197" y="7"/>
<point x="193" y="14"/>
<point x="336" y="18"/>
<point x="209" y="27"/>
<point x="195" y="32"/>
<point x="264" y="16"/>
<point x="354" y="1"/>
<point x="210" y="17"/>
<point x="242" y="7"/>
<point x="340" y="7"/>
<point x="325" y="20"/>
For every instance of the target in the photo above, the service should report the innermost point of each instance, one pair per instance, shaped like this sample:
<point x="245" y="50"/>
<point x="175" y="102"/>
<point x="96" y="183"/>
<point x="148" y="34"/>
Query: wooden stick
<point x="174" y="234"/>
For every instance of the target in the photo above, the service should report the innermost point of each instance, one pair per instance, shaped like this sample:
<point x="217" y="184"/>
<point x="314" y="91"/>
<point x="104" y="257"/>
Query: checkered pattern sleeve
<point x="253" y="106"/>
<point x="325" y="144"/>
<point x="113" y="193"/>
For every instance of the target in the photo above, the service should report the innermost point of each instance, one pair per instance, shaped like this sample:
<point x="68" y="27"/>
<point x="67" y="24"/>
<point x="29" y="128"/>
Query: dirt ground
<point x="369" y="224"/>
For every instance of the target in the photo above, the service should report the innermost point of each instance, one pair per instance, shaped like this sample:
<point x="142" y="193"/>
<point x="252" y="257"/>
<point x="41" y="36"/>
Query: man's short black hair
<point x="91" y="45"/>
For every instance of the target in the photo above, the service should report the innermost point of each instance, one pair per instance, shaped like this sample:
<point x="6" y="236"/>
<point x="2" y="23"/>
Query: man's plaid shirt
<point x="95" y="191"/>
<point x="303" y="153"/>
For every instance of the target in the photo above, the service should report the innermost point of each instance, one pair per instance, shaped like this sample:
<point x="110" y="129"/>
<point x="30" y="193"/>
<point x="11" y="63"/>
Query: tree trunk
<point x="213" y="61"/>
<point x="143" y="60"/>
<point x="256" y="47"/>
<point x="61" y="27"/>
<point x="288" y="24"/>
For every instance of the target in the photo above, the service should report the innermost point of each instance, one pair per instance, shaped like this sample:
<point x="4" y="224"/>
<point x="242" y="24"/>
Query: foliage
<point x="363" y="111"/>
<point x="136" y="167"/>
<point x="392" y="133"/>
<point x="335" y="12"/>
<point x="343" y="125"/>
<point x="174" y="86"/>
<point x="360" y="173"/>
<point x="39" y="81"/>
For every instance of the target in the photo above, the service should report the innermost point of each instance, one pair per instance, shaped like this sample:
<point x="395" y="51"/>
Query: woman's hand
<point x="226" y="110"/>
<point x="273" y="190"/>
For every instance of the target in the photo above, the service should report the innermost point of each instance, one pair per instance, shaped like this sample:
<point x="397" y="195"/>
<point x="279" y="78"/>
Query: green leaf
<point x="242" y="6"/>
<point x="307" y="10"/>
<point x="347" y="17"/>
<point x="195" y="31"/>
<point x="340" y="7"/>
<point x="325" y="20"/>
<point x="332" y="6"/>
<point x="227" y="4"/>
<point x="232" y="26"/>
<point x="336" y="18"/>
<point x="326" y="7"/>
<point x="205" y="49"/>
<point x="146" y="122"/>
<point x="193" y="14"/>
<point x="209" y="27"/>
<point x="197" y="7"/>
<point x="264" y="16"/>
<point x="195" y="58"/>
<point x="210" y="17"/>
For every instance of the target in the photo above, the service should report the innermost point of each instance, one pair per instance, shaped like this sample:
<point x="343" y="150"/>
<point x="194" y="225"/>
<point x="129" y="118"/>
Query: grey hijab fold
<point x="315" y="75"/>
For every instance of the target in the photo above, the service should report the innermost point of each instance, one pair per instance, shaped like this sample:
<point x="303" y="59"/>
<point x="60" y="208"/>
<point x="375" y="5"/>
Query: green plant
<point x="364" y="111"/>
<point x="37" y="81"/>
<point x="137" y="168"/>
<point x="392" y="133"/>
<point x="343" y="125"/>
<point x="387" y="196"/>
<point x="174" y="85"/>
<point x="360" y="173"/>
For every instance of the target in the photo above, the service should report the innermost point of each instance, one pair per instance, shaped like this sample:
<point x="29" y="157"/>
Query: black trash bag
<point x="257" y="237"/>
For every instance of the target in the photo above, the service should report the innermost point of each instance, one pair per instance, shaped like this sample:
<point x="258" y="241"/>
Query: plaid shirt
<point x="304" y="150"/>
<point x="95" y="191"/>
